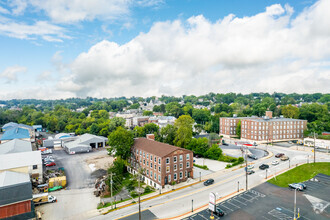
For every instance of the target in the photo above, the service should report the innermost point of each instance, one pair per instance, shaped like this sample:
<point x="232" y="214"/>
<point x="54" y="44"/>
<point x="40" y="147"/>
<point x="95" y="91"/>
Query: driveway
<point x="77" y="201"/>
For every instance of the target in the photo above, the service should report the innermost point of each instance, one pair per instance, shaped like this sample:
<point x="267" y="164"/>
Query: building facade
<point x="161" y="164"/>
<point x="264" y="129"/>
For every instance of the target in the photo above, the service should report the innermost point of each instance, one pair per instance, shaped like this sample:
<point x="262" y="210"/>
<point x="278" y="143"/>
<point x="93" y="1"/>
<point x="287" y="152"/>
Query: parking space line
<point x="202" y="216"/>
<point x="240" y="202"/>
<point x="234" y="204"/>
<point x="227" y="207"/>
<point x="293" y="212"/>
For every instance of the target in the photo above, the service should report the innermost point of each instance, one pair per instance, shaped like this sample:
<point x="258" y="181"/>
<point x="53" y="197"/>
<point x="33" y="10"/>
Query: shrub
<point x="134" y="194"/>
<point x="147" y="189"/>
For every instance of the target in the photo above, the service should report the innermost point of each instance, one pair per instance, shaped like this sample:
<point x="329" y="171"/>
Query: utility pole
<point x="111" y="189"/>
<point x="139" y="198"/>
<point x="237" y="186"/>
<point x="246" y="173"/>
<point x="266" y="173"/>
<point x="294" y="211"/>
<point x="314" y="146"/>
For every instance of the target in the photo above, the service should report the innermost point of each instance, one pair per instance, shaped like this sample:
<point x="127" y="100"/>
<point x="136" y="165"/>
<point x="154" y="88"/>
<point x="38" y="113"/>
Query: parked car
<point x="249" y="167"/>
<point x="284" y="158"/>
<point x="249" y="172"/>
<point x="279" y="155"/>
<point x="275" y="162"/>
<point x="303" y="185"/>
<point x="252" y="156"/>
<point x="263" y="166"/>
<point x="224" y="143"/>
<point x="208" y="182"/>
<point x="219" y="212"/>
<point x="50" y="164"/>
<point x="48" y="161"/>
<point x="296" y="186"/>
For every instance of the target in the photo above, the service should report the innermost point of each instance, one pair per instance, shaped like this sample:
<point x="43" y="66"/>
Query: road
<point x="180" y="202"/>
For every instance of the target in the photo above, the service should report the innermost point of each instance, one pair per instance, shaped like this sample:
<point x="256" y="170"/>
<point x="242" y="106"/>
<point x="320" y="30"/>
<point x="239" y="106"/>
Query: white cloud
<point x="3" y="10"/>
<point x="10" y="73"/>
<point x="270" y="51"/>
<point x="18" y="6"/>
<point x="47" y="31"/>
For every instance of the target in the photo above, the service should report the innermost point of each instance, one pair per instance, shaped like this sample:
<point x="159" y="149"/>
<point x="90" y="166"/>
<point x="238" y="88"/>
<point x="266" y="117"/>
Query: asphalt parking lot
<point x="268" y="201"/>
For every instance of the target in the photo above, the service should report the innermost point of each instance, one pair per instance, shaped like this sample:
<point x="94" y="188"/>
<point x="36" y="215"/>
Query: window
<point x="158" y="160"/>
<point x="181" y="157"/>
<point x="158" y="169"/>
<point x="180" y="175"/>
<point x="155" y="159"/>
<point x="188" y="164"/>
<point x="167" y="169"/>
<point x="147" y="163"/>
<point x="167" y="160"/>
<point x="140" y="152"/>
<point x="158" y="178"/>
<point x="174" y="159"/>
<point x="187" y="156"/>
<point x="155" y="167"/>
<point x="181" y="166"/>
<point x="175" y="176"/>
<point x="151" y="157"/>
<point x="144" y="162"/>
<point x="155" y="176"/>
<point x="147" y="156"/>
<point x="144" y="155"/>
<point x="150" y="173"/>
<point x="151" y="165"/>
<point x="35" y="167"/>
<point x="185" y="173"/>
<point x="169" y="178"/>
<point x="175" y="167"/>
<point x="147" y="172"/>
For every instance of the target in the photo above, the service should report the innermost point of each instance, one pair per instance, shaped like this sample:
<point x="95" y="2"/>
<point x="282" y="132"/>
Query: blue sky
<point x="102" y="48"/>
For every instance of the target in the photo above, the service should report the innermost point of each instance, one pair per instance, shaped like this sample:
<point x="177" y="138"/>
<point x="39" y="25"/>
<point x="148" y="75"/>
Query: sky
<point x="111" y="48"/>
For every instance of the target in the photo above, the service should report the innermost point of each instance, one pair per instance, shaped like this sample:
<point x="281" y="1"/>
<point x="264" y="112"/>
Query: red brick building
<point x="264" y="129"/>
<point x="161" y="163"/>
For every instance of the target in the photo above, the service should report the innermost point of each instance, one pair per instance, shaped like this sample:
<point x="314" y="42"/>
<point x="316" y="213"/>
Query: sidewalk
<point x="168" y="189"/>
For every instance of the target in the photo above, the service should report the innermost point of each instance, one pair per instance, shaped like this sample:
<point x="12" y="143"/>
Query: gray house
<point x="85" y="143"/>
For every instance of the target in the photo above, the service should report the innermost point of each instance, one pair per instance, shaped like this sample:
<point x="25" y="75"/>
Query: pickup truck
<point x="43" y="198"/>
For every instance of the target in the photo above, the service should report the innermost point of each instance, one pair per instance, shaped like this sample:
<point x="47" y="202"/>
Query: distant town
<point x="117" y="158"/>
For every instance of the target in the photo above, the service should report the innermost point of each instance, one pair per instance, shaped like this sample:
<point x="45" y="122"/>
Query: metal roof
<point x="15" y="146"/>
<point x="23" y="159"/>
<point x="83" y="138"/>
<point x="15" y="132"/>
<point x="8" y="178"/>
<point x="14" y="125"/>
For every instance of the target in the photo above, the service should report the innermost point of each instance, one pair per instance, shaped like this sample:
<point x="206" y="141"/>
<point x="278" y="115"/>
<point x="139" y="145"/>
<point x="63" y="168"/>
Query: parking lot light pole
<point x="200" y="176"/>
<point x="246" y="174"/>
<point x="192" y="205"/>
<point x="295" y="199"/>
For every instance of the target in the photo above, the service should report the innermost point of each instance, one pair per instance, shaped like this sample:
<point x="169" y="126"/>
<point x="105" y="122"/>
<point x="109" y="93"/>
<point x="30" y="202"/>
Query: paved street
<point x="179" y="202"/>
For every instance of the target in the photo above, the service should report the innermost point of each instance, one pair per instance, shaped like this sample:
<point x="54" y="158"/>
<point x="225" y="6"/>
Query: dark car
<point x="219" y="212"/>
<point x="263" y="166"/>
<point x="249" y="172"/>
<point x="303" y="185"/>
<point x="279" y="155"/>
<point x="208" y="182"/>
<point x="224" y="143"/>
<point x="252" y="156"/>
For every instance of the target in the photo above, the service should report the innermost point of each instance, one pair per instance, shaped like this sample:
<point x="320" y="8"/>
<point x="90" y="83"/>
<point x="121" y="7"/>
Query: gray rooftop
<point x="22" y="159"/>
<point x="8" y="178"/>
<point x="83" y="138"/>
<point x="15" y="146"/>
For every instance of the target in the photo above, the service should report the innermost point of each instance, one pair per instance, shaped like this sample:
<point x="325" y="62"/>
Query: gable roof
<point x="22" y="159"/>
<point x="14" y="125"/>
<point x="8" y="178"/>
<point x="83" y="138"/>
<point x="154" y="147"/>
<point x="15" y="146"/>
<point x="15" y="132"/>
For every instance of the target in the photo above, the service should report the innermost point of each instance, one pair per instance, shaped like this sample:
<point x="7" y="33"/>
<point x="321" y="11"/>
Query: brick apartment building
<point x="161" y="163"/>
<point x="264" y="129"/>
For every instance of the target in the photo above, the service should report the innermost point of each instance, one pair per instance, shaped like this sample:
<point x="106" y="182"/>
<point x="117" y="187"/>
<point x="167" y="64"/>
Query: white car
<point x="275" y="162"/>
<point x="251" y="166"/>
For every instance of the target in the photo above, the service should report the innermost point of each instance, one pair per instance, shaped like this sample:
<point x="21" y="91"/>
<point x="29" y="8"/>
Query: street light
<point x="294" y="211"/>
<point x="266" y="173"/>
<point x="192" y="205"/>
<point x="237" y="186"/>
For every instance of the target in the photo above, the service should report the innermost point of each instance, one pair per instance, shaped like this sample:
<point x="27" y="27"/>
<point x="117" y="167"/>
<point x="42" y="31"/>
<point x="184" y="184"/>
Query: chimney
<point x="151" y="137"/>
<point x="269" y="114"/>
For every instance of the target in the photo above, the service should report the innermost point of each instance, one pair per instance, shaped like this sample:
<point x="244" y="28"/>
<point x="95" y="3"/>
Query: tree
<point x="121" y="142"/>
<point x="167" y="134"/>
<point x="115" y="123"/>
<point x="174" y="109"/>
<point x="238" y="129"/>
<point x="290" y="111"/>
<point x="199" y="145"/>
<point x="201" y="115"/>
<point x="147" y="113"/>
<point x="139" y="131"/>
<point x="184" y="130"/>
<point x="214" y="152"/>
<point x="150" y="128"/>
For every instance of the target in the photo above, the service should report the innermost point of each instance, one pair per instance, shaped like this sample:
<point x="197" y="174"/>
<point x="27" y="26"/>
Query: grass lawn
<point x="301" y="173"/>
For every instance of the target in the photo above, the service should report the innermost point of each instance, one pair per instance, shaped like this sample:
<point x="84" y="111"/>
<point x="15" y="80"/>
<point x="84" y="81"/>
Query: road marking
<point x="293" y="212"/>
<point x="240" y="202"/>
<point x="234" y="204"/>
<point x="202" y="216"/>
<point x="279" y="215"/>
<point x="227" y="208"/>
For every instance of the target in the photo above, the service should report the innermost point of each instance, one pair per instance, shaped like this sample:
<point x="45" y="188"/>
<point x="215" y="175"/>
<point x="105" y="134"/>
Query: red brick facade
<point x="15" y="209"/>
